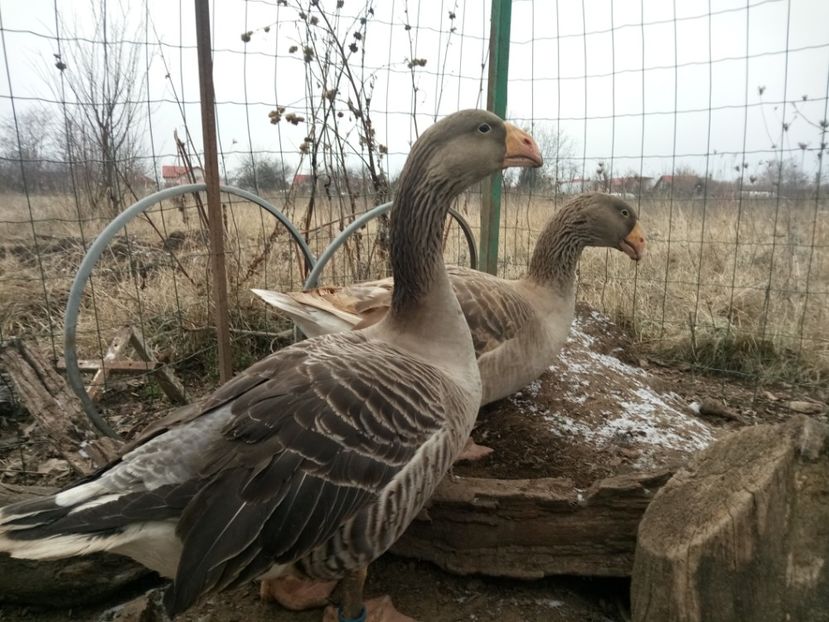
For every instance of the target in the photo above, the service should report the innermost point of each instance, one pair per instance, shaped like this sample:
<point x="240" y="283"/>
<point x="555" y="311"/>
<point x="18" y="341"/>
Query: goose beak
<point x="522" y="150"/>
<point x="634" y="244"/>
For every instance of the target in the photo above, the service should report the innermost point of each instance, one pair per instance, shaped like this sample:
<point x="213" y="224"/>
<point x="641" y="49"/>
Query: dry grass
<point x="757" y="307"/>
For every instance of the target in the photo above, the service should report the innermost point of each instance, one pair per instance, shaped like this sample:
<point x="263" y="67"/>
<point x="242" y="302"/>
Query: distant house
<point x="175" y="175"/>
<point x="303" y="183"/>
<point x="143" y="184"/>
<point x="629" y="186"/>
<point x="680" y="185"/>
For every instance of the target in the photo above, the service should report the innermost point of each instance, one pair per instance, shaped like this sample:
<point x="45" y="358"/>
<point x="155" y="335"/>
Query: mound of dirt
<point x="592" y="415"/>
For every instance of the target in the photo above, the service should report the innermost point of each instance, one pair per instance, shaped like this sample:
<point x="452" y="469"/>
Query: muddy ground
<point x="419" y="590"/>
<point x="556" y="427"/>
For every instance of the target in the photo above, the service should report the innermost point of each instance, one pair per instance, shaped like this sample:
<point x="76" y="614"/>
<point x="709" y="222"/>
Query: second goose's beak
<point x="521" y="149"/>
<point x="634" y="243"/>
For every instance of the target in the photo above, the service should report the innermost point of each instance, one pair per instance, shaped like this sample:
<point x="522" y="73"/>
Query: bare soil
<point x="556" y="427"/>
<point x="417" y="589"/>
<point x="592" y="415"/>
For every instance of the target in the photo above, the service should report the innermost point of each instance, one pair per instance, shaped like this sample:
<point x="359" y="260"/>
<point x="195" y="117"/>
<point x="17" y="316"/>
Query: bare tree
<point x="559" y="163"/>
<point x="101" y="73"/>
<point x="783" y="177"/>
<point x="29" y="152"/>
<point x="263" y="174"/>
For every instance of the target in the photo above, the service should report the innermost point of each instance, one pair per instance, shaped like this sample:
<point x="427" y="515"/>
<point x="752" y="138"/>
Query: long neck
<point x="559" y="247"/>
<point x="416" y="231"/>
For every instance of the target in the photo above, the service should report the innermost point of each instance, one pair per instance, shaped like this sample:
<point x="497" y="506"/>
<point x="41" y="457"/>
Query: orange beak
<point x="634" y="244"/>
<point x="522" y="150"/>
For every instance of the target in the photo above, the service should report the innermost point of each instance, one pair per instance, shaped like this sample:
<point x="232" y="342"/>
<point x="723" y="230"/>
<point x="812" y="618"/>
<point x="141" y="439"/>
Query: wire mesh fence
<point x="711" y="121"/>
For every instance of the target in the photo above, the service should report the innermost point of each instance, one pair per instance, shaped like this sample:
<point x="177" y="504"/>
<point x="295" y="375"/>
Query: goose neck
<point x="558" y="249"/>
<point x="416" y="242"/>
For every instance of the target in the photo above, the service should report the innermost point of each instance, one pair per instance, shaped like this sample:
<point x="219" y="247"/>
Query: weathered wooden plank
<point x="532" y="528"/>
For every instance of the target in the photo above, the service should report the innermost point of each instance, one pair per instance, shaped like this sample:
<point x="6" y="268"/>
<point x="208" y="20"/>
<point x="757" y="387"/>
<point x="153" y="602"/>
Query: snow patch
<point x="632" y="412"/>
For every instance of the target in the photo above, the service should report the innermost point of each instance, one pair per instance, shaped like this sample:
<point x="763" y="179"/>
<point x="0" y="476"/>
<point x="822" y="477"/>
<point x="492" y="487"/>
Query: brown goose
<point x="312" y="462"/>
<point x="518" y="326"/>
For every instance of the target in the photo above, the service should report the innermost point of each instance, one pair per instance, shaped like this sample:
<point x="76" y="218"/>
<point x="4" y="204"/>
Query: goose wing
<point x="315" y="435"/>
<point x="494" y="311"/>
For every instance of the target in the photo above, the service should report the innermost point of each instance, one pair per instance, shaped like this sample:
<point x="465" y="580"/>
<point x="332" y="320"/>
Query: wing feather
<point x="494" y="311"/>
<point x="313" y="439"/>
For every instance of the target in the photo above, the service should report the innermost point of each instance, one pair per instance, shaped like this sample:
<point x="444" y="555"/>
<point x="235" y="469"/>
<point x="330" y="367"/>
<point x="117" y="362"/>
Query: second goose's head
<point x="591" y="219"/>
<point x="608" y="221"/>
<point x="466" y="146"/>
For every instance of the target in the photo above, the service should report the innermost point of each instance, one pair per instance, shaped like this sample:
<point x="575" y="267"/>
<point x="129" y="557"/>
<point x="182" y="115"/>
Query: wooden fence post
<point x="211" y="177"/>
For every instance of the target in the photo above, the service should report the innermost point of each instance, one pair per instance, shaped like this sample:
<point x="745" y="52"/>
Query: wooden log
<point x="741" y="533"/>
<point x="56" y="410"/>
<point x="532" y="528"/>
<point x="64" y="582"/>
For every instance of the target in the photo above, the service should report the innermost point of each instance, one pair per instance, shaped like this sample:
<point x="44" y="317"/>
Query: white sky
<point x="595" y="87"/>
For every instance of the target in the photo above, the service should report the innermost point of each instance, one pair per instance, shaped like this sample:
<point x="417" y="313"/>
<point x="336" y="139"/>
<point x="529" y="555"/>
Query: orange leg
<point x="297" y="594"/>
<point x="355" y="609"/>
<point x="472" y="451"/>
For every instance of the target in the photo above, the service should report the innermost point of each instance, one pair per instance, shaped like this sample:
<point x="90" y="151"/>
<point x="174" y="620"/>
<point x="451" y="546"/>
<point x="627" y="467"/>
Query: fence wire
<point x="711" y="122"/>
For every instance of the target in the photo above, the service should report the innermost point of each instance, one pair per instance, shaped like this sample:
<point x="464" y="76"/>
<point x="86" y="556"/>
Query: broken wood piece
<point x="806" y="407"/>
<point x="709" y="407"/>
<point x="116" y="350"/>
<point x="168" y="382"/>
<point x="530" y="528"/>
<point x="115" y="367"/>
<point x="57" y="411"/>
<point x="114" y="362"/>
<point x="740" y="532"/>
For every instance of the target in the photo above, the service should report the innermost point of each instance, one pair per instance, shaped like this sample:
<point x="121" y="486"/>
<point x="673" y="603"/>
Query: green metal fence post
<point x="496" y="101"/>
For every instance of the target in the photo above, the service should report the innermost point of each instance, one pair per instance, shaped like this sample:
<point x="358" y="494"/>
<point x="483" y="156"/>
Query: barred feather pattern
<point x="316" y="458"/>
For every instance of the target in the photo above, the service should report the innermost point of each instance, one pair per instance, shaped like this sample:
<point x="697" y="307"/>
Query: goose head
<point x="610" y="222"/>
<point x="466" y="146"/>
<point x="453" y="154"/>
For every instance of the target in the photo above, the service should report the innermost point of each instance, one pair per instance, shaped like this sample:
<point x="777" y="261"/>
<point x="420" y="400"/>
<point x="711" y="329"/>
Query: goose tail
<point x="85" y="519"/>
<point x="319" y="318"/>
<point x="39" y="528"/>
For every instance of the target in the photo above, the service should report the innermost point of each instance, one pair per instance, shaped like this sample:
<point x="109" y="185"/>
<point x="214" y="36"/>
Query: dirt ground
<point x="525" y="432"/>
<point x="418" y="589"/>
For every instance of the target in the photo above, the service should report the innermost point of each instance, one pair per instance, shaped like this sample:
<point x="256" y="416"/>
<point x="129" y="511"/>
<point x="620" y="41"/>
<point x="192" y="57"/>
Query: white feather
<point x="155" y="545"/>
<point x="79" y="494"/>
<point x="96" y="502"/>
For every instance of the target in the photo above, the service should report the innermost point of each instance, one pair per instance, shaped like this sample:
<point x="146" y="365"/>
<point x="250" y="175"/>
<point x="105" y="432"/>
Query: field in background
<point x="737" y="287"/>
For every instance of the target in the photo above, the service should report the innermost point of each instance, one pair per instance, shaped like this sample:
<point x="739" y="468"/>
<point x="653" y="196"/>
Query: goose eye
<point x="625" y="213"/>
<point x="483" y="128"/>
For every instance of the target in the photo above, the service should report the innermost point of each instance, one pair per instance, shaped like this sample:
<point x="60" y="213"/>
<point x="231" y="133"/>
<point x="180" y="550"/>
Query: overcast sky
<point x="631" y="80"/>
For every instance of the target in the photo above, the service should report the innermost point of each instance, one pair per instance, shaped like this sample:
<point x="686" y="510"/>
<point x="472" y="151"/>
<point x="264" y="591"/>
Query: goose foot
<point x="379" y="609"/>
<point x="472" y="451"/>
<point x="296" y="594"/>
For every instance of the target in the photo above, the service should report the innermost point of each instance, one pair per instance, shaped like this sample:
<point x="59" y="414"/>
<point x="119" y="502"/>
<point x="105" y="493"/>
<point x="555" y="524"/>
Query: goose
<point x="310" y="463"/>
<point x="518" y="326"/>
